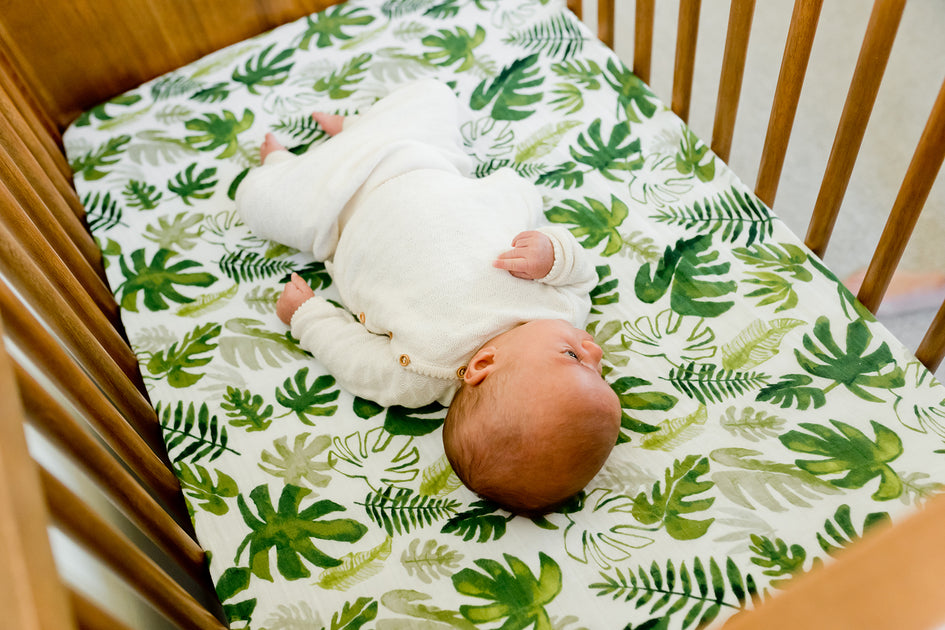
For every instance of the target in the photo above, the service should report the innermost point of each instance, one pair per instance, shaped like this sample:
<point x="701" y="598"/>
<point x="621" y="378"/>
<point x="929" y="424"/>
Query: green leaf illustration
<point x="245" y="409"/>
<point x="431" y="562"/>
<point x="449" y="47"/>
<point x="638" y="401"/>
<point x="207" y="303"/>
<point x="99" y="112"/>
<point x="439" y="479"/>
<point x="777" y="559"/>
<point x="355" y="567"/>
<point x="188" y="187"/>
<point x="254" y="343"/>
<point x="631" y="91"/>
<point x="594" y="222"/>
<point x="102" y="212"/>
<point x="543" y="141"/>
<point x="558" y="35"/>
<point x="618" y="153"/>
<point x="508" y="91"/>
<point x="400" y="420"/>
<point x="178" y="233"/>
<point x="398" y="510"/>
<point x="691" y="155"/>
<point x="378" y="457"/>
<point x="676" y="431"/>
<point x="841" y="531"/>
<point x="667" y="504"/>
<point x="298" y="463"/>
<point x="598" y="532"/>
<point x="354" y="616"/>
<point x="289" y="529"/>
<point x="680" y="272"/>
<point x="750" y="424"/>
<point x="855" y="367"/>
<point x="197" y="483"/>
<point x="214" y="132"/>
<point x="758" y="482"/>
<point x="141" y="195"/>
<point x="337" y="83"/>
<point x="194" y="431"/>
<point x="331" y="24"/>
<point x="246" y="266"/>
<point x="91" y="166"/>
<point x="308" y="400"/>
<point x="728" y="216"/>
<point x="757" y="343"/>
<point x="480" y="521"/>
<point x="706" y="383"/>
<point x="849" y="452"/>
<point x="177" y="362"/>
<point x="518" y="596"/>
<point x="672" y="589"/>
<point x="793" y="390"/>
<point x="259" y="71"/>
<point x="157" y="280"/>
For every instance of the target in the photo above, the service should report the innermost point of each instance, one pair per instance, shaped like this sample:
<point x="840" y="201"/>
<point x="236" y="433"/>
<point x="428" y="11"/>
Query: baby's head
<point x="534" y="420"/>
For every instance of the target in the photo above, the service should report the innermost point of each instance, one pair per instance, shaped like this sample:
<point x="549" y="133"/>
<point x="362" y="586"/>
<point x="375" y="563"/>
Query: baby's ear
<point x="480" y="366"/>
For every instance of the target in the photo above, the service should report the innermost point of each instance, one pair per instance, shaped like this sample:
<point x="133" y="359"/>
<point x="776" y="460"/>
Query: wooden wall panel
<point x="59" y="49"/>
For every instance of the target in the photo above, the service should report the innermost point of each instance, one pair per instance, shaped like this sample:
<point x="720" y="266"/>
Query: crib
<point x="69" y="374"/>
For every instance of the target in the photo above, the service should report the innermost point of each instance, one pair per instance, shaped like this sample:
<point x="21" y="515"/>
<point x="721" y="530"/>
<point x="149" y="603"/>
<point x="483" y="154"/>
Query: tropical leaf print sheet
<point x="768" y="420"/>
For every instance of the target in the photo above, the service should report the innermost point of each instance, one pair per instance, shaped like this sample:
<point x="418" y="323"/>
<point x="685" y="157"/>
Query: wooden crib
<point x="67" y="367"/>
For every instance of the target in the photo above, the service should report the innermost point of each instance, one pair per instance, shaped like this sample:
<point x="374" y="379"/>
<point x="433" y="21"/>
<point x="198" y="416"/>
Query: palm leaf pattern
<point x="764" y="411"/>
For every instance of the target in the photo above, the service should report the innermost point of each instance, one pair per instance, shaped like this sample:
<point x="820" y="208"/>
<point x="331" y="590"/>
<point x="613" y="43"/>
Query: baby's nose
<point x="594" y="352"/>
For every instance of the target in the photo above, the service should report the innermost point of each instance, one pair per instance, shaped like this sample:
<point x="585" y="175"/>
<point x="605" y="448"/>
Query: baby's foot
<point x="331" y="123"/>
<point x="269" y="145"/>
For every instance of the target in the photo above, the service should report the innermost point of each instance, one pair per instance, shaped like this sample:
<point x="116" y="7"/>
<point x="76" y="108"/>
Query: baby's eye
<point x="572" y="354"/>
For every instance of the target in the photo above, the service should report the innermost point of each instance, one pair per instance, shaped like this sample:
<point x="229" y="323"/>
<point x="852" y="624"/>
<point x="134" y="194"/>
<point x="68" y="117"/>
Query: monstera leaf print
<point x="510" y="93"/>
<point x="680" y="272"/>
<point x="450" y="47"/>
<point x="289" y="530"/>
<point x="331" y="24"/>
<point x="848" y="450"/>
<point x="215" y="132"/>
<point x="518" y="596"/>
<point x="594" y="222"/>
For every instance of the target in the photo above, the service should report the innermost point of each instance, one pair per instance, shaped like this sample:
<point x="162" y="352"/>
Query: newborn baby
<point x="445" y="311"/>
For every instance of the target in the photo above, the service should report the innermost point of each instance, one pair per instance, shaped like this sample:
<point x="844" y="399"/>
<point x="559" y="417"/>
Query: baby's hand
<point x="294" y="294"/>
<point x="530" y="258"/>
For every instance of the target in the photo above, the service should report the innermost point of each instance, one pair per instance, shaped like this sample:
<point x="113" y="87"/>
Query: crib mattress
<point x="768" y="419"/>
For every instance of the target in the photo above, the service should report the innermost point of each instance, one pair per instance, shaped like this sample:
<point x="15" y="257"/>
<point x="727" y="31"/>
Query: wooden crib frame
<point x="67" y="367"/>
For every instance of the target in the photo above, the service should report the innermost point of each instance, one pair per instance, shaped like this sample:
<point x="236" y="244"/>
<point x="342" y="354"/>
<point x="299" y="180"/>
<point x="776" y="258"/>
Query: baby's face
<point x="561" y="364"/>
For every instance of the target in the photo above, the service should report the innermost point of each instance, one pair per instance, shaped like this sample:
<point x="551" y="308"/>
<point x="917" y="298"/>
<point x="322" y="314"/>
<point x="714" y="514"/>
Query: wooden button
<point x="404" y="360"/>
<point x="461" y="372"/>
<point x="361" y="317"/>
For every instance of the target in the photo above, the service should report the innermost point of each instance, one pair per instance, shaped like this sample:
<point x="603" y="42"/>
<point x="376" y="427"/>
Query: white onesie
<point x="409" y="238"/>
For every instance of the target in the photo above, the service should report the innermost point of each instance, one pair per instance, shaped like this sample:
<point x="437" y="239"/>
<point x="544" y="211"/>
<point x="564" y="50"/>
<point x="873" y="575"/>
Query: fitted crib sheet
<point x="768" y="419"/>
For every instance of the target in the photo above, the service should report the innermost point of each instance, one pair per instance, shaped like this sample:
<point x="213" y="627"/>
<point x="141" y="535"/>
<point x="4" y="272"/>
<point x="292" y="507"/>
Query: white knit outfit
<point x="409" y="238"/>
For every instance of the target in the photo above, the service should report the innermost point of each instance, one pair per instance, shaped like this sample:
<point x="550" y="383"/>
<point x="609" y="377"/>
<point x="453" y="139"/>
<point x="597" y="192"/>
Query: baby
<point x="446" y="312"/>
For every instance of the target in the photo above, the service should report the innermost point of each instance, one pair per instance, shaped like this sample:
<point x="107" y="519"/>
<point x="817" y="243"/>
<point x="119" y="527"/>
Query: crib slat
<point x="643" y="39"/>
<point x="50" y="158"/>
<point x="104" y="418"/>
<point x="733" y="70"/>
<point x="31" y="595"/>
<point x="64" y="431"/>
<point x="27" y="180"/>
<point x="90" y="337"/>
<point x="577" y="8"/>
<point x="13" y="83"/>
<point x="870" y="66"/>
<point x="686" y="36"/>
<point x="605" y="22"/>
<point x="800" y="40"/>
<point x="923" y="169"/>
<point x="90" y="616"/>
<point x="932" y="349"/>
<point x="113" y="548"/>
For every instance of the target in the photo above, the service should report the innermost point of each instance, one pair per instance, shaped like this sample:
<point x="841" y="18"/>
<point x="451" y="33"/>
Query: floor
<point x="913" y="77"/>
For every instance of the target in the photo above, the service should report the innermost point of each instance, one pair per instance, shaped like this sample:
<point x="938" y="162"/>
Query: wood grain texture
<point x="687" y="34"/>
<point x="62" y="53"/>
<point x="733" y="71"/>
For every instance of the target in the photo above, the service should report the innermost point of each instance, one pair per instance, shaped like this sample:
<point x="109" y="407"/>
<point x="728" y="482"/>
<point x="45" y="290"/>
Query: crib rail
<point x="67" y="373"/>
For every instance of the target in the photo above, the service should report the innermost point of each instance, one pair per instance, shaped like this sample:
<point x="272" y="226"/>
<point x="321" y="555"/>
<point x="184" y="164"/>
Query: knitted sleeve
<point x="363" y="363"/>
